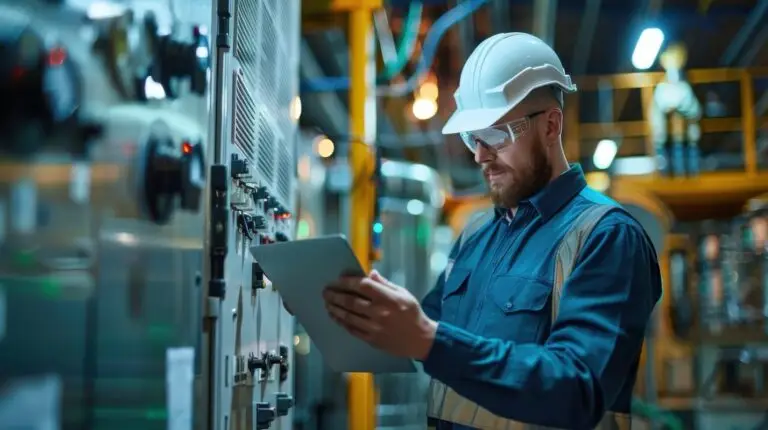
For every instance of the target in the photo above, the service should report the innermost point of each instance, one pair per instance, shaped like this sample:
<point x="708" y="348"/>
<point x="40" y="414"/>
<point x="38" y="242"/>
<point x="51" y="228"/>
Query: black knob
<point x="265" y="414"/>
<point x="176" y="60"/>
<point x="283" y="404"/>
<point x="257" y="363"/>
<point x="284" y="365"/>
<point x="41" y="89"/>
<point x="238" y="167"/>
<point x="273" y="359"/>
<point x="271" y="203"/>
<point x="260" y="193"/>
<point x="174" y="173"/>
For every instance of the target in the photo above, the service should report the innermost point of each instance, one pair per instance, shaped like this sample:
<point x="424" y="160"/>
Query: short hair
<point x="549" y="92"/>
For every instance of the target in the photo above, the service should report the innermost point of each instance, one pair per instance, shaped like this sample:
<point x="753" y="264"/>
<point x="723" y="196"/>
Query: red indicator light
<point x="56" y="57"/>
<point x="186" y="148"/>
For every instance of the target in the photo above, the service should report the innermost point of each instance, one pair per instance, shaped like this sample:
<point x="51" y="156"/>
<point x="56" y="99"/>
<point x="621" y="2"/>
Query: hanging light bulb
<point x="424" y="108"/>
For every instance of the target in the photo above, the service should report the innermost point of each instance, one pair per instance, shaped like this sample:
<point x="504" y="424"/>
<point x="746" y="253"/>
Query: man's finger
<point x="352" y="320"/>
<point x="350" y="302"/>
<point x="347" y="283"/>
<point x="377" y="292"/>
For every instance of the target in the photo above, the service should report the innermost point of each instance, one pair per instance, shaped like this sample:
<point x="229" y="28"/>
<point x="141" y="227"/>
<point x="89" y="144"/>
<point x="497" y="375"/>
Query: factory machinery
<point x="144" y="147"/>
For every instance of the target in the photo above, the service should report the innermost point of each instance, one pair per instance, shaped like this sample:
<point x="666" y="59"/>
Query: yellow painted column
<point x="362" y="121"/>
<point x="749" y="123"/>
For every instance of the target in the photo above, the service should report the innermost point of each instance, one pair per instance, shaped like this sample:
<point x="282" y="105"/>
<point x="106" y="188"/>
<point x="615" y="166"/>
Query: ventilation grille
<point x="267" y="137"/>
<point x="286" y="169"/>
<point x="266" y="50"/>
<point x="244" y="119"/>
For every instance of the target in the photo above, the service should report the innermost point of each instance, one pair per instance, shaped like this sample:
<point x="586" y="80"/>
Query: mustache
<point x="488" y="168"/>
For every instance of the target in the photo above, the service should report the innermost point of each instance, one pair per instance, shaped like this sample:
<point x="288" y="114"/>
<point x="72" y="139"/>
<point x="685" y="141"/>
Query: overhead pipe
<point x="409" y="36"/>
<point x="756" y="17"/>
<point x="754" y="47"/>
<point x="429" y="50"/>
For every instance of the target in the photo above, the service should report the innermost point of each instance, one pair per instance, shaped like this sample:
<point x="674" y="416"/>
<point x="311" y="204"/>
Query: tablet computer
<point x="300" y="270"/>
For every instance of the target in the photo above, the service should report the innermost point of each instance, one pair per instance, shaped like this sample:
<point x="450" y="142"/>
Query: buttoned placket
<point x="513" y="225"/>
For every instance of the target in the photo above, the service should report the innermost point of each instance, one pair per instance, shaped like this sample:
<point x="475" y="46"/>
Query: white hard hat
<point x="499" y="74"/>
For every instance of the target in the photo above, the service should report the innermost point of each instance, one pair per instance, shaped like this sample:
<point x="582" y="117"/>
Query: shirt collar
<point x="556" y="194"/>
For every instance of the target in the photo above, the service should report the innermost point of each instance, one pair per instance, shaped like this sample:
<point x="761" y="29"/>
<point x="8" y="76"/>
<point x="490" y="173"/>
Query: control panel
<point x="252" y="200"/>
<point x="261" y="219"/>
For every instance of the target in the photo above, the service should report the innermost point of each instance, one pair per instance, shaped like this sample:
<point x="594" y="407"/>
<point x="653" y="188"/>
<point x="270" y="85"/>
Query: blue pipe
<point x="429" y="49"/>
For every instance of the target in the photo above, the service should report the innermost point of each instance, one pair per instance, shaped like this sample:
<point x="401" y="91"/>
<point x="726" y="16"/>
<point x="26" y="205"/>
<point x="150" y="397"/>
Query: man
<point x="539" y="319"/>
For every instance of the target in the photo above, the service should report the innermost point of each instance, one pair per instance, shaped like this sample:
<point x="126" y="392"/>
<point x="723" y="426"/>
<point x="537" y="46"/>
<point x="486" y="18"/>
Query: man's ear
<point x="554" y="127"/>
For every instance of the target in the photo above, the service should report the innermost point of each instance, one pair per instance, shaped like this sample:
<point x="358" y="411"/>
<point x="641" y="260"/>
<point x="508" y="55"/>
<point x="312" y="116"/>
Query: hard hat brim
<point x="473" y="119"/>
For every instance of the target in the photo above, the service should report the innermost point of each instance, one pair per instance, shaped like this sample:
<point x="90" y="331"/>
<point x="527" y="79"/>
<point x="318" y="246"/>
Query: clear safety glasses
<point x="498" y="136"/>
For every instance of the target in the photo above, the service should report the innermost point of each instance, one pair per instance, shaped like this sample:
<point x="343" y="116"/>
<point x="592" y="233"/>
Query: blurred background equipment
<point x="140" y="159"/>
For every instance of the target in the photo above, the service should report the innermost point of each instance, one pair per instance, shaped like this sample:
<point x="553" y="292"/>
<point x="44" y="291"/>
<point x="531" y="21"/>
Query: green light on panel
<point x="378" y="227"/>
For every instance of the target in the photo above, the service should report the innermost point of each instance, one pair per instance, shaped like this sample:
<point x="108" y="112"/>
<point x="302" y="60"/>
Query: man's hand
<point x="385" y="315"/>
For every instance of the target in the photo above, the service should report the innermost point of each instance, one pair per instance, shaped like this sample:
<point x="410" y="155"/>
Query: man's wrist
<point x="426" y="339"/>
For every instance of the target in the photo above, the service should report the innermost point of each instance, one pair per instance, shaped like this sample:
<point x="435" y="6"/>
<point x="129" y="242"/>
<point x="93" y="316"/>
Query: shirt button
<point x="508" y="306"/>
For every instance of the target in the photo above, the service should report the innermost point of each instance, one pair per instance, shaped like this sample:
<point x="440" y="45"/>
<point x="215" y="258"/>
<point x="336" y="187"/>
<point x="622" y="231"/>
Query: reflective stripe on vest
<point x="446" y="405"/>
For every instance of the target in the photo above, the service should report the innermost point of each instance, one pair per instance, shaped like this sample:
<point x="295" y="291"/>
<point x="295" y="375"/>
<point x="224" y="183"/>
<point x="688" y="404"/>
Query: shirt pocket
<point x="453" y="292"/>
<point x="520" y="309"/>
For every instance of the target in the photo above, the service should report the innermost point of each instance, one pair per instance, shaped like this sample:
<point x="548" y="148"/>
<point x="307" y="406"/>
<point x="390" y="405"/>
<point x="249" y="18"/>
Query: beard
<point x="525" y="181"/>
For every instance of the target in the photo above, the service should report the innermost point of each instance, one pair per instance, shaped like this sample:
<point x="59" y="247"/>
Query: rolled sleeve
<point x="593" y="347"/>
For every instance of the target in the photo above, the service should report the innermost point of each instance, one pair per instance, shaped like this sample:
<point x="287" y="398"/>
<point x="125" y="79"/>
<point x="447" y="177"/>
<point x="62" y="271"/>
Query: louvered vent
<point x="246" y="37"/>
<point x="244" y="119"/>
<point x="285" y="172"/>
<point x="266" y="47"/>
<point x="267" y="139"/>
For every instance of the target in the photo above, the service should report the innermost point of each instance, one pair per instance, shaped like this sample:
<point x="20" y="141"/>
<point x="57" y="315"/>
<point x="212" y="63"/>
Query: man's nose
<point x="483" y="153"/>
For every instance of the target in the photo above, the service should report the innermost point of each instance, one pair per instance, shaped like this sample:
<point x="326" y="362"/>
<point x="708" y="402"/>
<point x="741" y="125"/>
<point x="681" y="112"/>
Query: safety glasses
<point x="498" y="136"/>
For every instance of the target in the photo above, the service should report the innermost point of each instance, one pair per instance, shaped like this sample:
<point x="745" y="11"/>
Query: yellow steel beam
<point x="311" y="7"/>
<point x="650" y="79"/>
<point x="362" y="401"/>
<point x="749" y="123"/>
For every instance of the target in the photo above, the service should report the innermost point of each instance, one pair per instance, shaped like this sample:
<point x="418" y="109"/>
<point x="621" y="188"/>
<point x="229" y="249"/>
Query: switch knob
<point x="176" y="60"/>
<point x="284" y="365"/>
<point x="41" y="89"/>
<point x="272" y="203"/>
<point x="265" y="415"/>
<point x="283" y="404"/>
<point x="260" y="193"/>
<point x="238" y="167"/>
<point x="175" y="176"/>
<point x="257" y="363"/>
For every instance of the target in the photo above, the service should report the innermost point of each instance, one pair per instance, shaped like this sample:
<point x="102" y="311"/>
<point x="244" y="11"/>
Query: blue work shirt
<point x="495" y="343"/>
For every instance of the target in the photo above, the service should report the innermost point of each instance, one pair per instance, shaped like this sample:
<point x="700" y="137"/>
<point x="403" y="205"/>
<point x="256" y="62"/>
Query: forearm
<point x="543" y="385"/>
